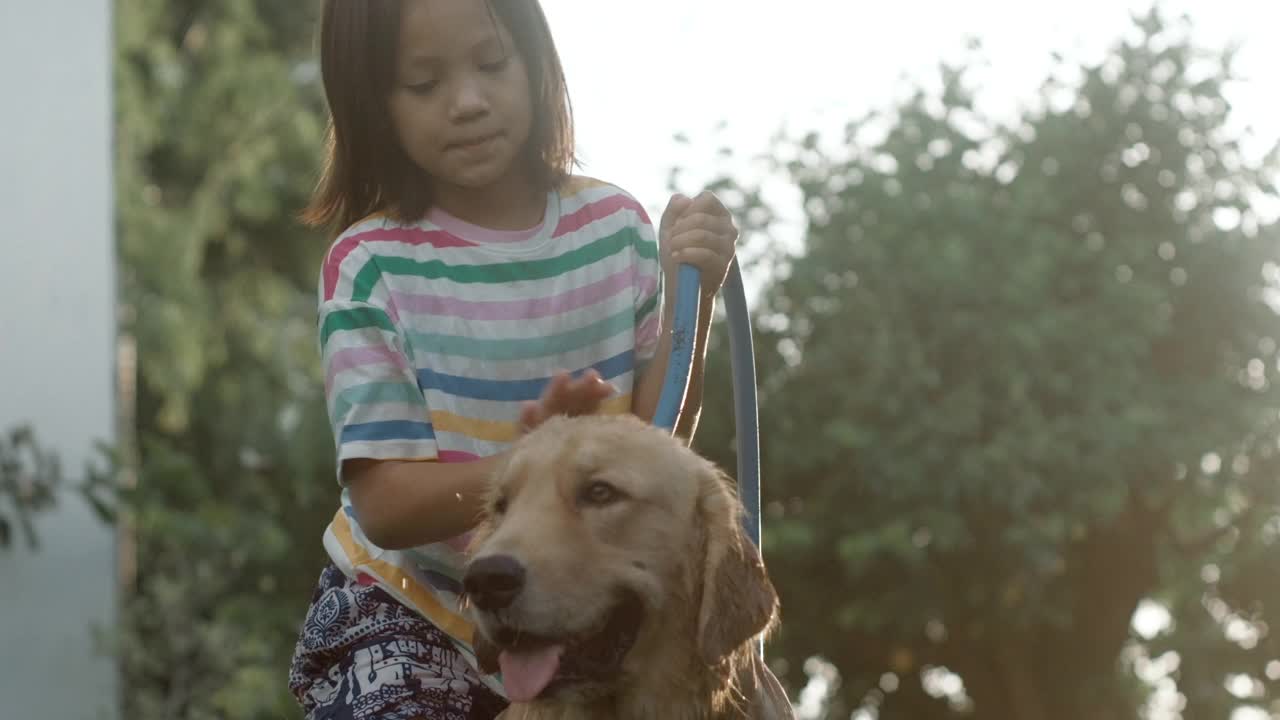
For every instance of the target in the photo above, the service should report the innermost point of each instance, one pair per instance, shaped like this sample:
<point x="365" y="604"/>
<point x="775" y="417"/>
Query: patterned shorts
<point x="362" y="655"/>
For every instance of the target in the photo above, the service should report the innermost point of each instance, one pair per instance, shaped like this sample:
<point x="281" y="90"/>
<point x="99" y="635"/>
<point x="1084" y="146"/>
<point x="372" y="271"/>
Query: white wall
<point x="57" y="335"/>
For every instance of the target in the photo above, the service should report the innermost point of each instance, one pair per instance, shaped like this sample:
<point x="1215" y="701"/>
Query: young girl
<point x="475" y="288"/>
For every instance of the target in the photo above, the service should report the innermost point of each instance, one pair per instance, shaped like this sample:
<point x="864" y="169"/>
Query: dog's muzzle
<point x="539" y="664"/>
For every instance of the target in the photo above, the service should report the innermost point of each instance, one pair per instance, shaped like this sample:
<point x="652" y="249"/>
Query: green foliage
<point x="1018" y="379"/>
<point x="29" y="477"/>
<point x="32" y="481"/>
<point x="219" y="136"/>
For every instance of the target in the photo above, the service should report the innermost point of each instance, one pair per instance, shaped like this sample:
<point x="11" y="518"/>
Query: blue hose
<point x="684" y="327"/>
<point x="742" y="358"/>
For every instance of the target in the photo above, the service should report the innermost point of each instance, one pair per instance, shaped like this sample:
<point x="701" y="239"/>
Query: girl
<point x="475" y="288"/>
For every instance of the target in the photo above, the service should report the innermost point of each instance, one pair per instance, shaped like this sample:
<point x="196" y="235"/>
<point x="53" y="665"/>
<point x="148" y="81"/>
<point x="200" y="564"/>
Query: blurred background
<point x="1015" y="283"/>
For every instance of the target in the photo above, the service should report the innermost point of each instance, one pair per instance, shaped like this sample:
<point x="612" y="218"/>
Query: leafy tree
<point x="29" y="477"/>
<point x="32" y="481"/>
<point x="219" y="136"/>
<point x="1019" y="379"/>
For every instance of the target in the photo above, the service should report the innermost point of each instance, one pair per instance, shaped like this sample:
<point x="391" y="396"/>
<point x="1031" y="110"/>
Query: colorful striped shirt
<point x="433" y="334"/>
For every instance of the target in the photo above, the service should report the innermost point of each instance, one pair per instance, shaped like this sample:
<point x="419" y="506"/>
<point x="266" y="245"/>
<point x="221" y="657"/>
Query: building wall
<point x="57" y="336"/>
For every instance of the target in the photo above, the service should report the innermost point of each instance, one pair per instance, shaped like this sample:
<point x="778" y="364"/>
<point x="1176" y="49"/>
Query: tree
<point x="1019" y="379"/>
<point x="220" y="129"/>
<point x="29" y="476"/>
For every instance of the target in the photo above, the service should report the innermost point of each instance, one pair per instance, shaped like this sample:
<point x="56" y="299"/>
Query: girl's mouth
<point x="475" y="142"/>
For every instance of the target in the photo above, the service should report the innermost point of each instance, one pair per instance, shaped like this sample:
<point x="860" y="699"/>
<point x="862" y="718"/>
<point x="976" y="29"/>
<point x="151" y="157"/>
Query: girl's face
<point x="460" y="103"/>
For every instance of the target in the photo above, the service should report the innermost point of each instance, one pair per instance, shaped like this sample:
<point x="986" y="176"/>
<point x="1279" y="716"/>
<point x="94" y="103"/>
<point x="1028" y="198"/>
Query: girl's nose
<point x="469" y="101"/>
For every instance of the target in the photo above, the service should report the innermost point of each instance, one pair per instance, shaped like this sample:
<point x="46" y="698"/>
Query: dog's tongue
<point x="526" y="673"/>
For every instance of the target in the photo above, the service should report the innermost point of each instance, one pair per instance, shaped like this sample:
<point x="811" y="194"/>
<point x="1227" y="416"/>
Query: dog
<point x="610" y="578"/>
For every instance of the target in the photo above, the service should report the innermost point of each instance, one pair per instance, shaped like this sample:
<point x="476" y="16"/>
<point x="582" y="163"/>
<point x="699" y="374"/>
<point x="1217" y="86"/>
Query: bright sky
<point x="637" y="78"/>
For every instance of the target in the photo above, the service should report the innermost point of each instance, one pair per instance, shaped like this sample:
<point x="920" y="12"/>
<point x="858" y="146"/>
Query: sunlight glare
<point x="1150" y="619"/>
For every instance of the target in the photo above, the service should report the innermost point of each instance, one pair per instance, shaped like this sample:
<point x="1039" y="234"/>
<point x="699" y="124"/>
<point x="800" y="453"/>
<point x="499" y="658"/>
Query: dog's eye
<point x="599" y="493"/>
<point x="499" y="506"/>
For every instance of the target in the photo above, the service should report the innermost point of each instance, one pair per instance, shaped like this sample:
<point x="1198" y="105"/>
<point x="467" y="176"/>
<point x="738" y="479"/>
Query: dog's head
<point x="603" y="539"/>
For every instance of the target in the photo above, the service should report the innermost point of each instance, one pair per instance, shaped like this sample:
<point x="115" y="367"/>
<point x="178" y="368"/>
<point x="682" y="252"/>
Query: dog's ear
<point x="738" y="600"/>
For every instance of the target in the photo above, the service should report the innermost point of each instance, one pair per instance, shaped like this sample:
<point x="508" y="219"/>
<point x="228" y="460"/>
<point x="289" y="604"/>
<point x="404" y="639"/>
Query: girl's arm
<point x="405" y="503"/>
<point x="699" y="231"/>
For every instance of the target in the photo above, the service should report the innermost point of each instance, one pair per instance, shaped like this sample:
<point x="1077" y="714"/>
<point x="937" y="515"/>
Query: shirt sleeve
<point x="648" y="291"/>
<point x="376" y="408"/>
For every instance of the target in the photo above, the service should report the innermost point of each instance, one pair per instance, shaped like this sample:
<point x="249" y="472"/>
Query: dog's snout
<point x="494" y="581"/>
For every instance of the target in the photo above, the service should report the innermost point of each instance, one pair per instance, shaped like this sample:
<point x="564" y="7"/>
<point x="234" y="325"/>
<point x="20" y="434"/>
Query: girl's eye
<point x="599" y="493"/>
<point x="421" y="88"/>
<point x="496" y="65"/>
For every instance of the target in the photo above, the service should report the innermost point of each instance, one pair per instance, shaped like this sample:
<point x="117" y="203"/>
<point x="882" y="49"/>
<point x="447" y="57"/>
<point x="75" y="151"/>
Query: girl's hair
<point x="366" y="171"/>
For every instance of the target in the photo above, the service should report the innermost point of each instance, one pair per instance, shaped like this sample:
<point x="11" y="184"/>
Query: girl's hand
<point x="698" y="231"/>
<point x="566" y="395"/>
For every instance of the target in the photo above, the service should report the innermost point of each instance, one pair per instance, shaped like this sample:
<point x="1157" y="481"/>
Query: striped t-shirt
<point x="433" y="334"/>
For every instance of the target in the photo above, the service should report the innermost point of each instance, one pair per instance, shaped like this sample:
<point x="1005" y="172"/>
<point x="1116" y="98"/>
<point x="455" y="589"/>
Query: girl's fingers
<point x="530" y="415"/>
<point x="676" y="208"/>
<point x="707" y="261"/>
<point x="570" y="396"/>
<point x="707" y="221"/>
<point x="697" y="237"/>
<point x="560" y="383"/>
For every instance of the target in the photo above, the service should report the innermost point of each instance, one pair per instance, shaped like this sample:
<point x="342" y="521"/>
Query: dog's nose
<point x="492" y="582"/>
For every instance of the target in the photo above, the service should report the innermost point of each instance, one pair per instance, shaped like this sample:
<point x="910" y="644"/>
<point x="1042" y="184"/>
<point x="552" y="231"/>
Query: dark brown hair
<point x="365" y="170"/>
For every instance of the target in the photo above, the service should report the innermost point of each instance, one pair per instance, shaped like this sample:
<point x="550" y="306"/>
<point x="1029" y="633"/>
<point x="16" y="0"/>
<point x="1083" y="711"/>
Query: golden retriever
<point x="611" y="579"/>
